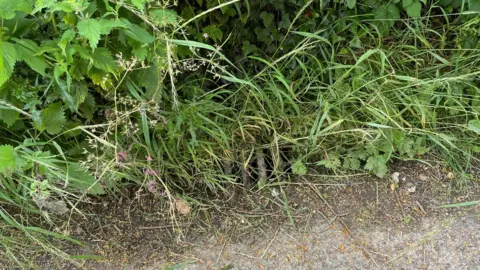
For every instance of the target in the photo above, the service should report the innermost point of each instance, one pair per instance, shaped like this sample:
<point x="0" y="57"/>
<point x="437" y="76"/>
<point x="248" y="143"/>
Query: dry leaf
<point x="392" y="186"/>
<point x="181" y="206"/>
<point x="341" y="248"/>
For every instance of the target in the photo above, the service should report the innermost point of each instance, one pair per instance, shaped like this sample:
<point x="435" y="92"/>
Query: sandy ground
<point x="436" y="243"/>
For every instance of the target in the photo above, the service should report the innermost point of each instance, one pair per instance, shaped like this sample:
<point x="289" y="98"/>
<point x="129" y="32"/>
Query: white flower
<point x="205" y="35"/>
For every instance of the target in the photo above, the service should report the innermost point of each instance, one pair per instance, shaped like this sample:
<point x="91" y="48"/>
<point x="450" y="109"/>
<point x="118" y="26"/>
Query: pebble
<point x="395" y="177"/>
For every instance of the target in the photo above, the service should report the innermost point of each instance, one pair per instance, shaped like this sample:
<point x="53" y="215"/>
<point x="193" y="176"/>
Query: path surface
<point x="436" y="243"/>
<point x="340" y="223"/>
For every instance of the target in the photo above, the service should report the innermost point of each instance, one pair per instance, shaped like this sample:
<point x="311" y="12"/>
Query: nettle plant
<point x="61" y="64"/>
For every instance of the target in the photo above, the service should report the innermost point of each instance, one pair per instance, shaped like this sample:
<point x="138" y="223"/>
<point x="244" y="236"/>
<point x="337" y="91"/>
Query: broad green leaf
<point x="140" y="53"/>
<point x="164" y="17"/>
<point x="474" y="125"/>
<point x="53" y="119"/>
<point x="7" y="158"/>
<point x="414" y="9"/>
<point x="474" y="5"/>
<point x="65" y="40"/>
<point x="26" y="50"/>
<point x="102" y="59"/>
<point x="90" y="29"/>
<point x="65" y="6"/>
<point x="79" y="179"/>
<point x="41" y="4"/>
<point x="139" y="34"/>
<point x="388" y="13"/>
<point x="406" y="3"/>
<point x="8" y="58"/>
<point x="8" y="8"/>
<point x="9" y="117"/>
<point x="106" y="26"/>
<point x="267" y="18"/>
<point x="88" y="106"/>
<point x="351" y="3"/>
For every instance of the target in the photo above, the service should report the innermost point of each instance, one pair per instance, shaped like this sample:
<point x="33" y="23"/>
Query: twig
<point x="164" y="226"/>
<point x="269" y="244"/>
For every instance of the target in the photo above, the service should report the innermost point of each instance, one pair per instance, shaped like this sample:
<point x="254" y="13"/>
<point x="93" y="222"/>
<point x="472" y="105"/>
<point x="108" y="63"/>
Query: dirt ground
<point x="313" y="222"/>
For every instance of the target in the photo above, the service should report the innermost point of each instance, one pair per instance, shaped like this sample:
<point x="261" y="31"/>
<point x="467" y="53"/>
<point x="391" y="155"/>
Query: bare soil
<point x="312" y="222"/>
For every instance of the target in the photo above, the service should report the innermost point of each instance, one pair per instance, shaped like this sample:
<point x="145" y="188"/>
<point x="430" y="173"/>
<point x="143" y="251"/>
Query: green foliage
<point x="299" y="168"/>
<point x="99" y="94"/>
<point x="7" y="158"/>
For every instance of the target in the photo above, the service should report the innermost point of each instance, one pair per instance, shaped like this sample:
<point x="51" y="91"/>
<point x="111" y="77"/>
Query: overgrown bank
<point x="172" y="96"/>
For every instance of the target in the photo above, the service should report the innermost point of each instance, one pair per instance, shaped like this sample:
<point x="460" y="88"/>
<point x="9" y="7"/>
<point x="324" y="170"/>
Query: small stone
<point x="412" y="189"/>
<point x="450" y="175"/>
<point x="395" y="177"/>
<point x="423" y="177"/>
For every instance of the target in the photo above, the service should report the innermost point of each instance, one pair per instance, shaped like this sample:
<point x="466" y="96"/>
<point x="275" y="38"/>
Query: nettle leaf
<point x="106" y="26"/>
<point x="90" y="29"/>
<point x="88" y="106"/>
<point x="102" y="59"/>
<point x="79" y="179"/>
<point x="267" y="18"/>
<point x="9" y="117"/>
<point x="7" y="158"/>
<point x="8" y="58"/>
<point x="214" y="33"/>
<point x="139" y="34"/>
<point x="378" y="165"/>
<point x="65" y="40"/>
<point x="140" y="53"/>
<point x="26" y="50"/>
<point x="41" y="4"/>
<point x="414" y="9"/>
<point x="53" y="119"/>
<point x="164" y="17"/>
<point x="8" y="8"/>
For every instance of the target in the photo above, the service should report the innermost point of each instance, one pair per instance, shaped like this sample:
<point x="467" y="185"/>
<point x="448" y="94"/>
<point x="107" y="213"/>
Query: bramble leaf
<point x="267" y="18"/>
<point x="414" y="9"/>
